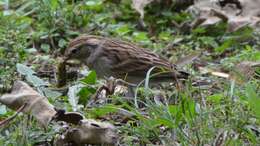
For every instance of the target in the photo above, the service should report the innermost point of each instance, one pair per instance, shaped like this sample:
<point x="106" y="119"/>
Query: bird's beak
<point x="62" y="59"/>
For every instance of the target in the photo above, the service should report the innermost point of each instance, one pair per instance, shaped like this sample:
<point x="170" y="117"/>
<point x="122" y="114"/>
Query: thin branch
<point x="8" y="120"/>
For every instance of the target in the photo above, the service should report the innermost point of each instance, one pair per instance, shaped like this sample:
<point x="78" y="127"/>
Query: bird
<point x="111" y="57"/>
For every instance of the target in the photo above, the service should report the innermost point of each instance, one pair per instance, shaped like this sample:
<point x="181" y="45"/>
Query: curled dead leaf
<point x="188" y="59"/>
<point x="244" y="71"/>
<point x="89" y="132"/>
<point x="237" y="14"/>
<point x="68" y="117"/>
<point x="36" y="105"/>
<point x="84" y="131"/>
<point x="139" y="5"/>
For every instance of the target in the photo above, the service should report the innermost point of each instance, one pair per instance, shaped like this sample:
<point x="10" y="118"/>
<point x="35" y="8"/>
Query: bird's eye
<point x="74" y="51"/>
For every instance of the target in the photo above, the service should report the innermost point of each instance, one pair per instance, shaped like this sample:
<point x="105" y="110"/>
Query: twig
<point x="8" y="120"/>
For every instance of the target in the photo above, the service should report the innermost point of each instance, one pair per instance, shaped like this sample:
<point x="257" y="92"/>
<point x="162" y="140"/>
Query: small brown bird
<point x="120" y="59"/>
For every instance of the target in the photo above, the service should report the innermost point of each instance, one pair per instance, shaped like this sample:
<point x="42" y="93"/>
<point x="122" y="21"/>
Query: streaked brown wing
<point x="133" y="60"/>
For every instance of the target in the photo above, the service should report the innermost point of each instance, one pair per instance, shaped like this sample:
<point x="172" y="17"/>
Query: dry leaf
<point x="68" y="117"/>
<point x="245" y="70"/>
<point x="187" y="59"/>
<point x="139" y="5"/>
<point x="36" y="105"/>
<point x="85" y="131"/>
<point x="242" y="71"/>
<point x="89" y="132"/>
<point x="237" y="15"/>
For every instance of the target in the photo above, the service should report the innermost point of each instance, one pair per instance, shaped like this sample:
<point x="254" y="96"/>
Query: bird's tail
<point x="182" y="75"/>
<point x="170" y="76"/>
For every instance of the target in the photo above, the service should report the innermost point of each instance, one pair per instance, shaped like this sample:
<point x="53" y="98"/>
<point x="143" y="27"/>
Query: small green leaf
<point x="141" y="37"/>
<point x="256" y="56"/>
<point x="3" y="110"/>
<point x="191" y="110"/>
<point x="151" y="123"/>
<point x="24" y="70"/>
<point x="36" y="81"/>
<point x="91" y="78"/>
<point x="122" y="30"/>
<point x="216" y="98"/>
<point x="2" y="2"/>
<point x="45" y="47"/>
<point x="85" y="94"/>
<point x="173" y="109"/>
<point x="224" y="46"/>
<point x="95" y="5"/>
<point x="199" y="30"/>
<point x="101" y="111"/>
<point x="73" y="97"/>
<point x="208" y="41"/>
<point x="253" y="99"/>
<point x="54" y="4"/>
<point x="165" y="36"/>
<point x="166" y="122"/>
<point x="50" y="93"/>
<point x="31" y="50"/>
<point x="62" y="43"/>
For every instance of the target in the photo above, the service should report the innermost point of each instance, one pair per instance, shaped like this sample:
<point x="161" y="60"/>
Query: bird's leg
<point x="109" y="87"/>
<point x="130" y="91"/>
<point x="178" y="84"/>
<point x="98" y="92"/>
<point x="131" y="87"/>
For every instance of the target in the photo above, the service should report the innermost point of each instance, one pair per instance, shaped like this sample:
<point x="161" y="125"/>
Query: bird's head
<point x="81" y="47"/>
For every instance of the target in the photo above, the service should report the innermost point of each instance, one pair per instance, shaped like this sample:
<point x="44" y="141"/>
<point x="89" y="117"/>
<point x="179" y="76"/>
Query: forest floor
<point x="218" y="105"/>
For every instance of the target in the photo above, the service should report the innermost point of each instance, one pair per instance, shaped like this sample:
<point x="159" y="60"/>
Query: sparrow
<point x="120" y="59"/>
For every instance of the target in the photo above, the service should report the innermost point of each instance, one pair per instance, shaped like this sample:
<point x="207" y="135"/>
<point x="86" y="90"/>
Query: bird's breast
<point x="101" y="65"/>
